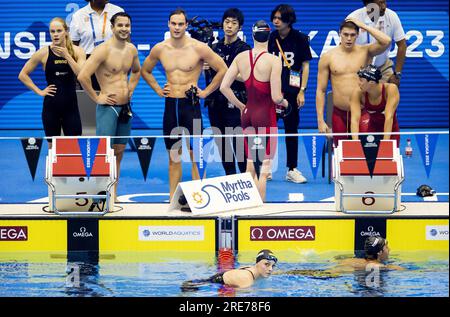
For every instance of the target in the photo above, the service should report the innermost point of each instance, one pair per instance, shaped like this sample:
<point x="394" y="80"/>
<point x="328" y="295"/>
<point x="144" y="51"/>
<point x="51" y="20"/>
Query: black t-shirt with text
<point x="296" y="49"/>
<point x="228" y="53"/>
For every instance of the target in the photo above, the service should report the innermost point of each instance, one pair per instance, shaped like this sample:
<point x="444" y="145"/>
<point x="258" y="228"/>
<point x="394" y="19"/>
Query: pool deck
<point x="298" y="210"/>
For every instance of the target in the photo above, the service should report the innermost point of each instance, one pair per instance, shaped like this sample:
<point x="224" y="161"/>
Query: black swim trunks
<point x="179" y="116"/>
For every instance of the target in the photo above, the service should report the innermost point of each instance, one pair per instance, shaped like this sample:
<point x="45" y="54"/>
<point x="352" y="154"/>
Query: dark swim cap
<point x="266" y="255"/>
<point x="371" y="73"/>
<point x="261" y="31"/>
<point x="425" y="191"/>
<point x="372" y="246"/>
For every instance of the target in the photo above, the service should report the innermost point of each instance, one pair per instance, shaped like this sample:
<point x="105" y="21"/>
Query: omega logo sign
<point x="13" y="233"/>
<point x="370" y="232"/>
<point x="291" y="233"/>
<point x="82" y="233"/>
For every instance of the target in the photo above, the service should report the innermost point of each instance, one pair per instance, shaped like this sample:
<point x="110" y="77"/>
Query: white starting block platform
<point x="355" y="190"/>
<point x="70" y="189"/>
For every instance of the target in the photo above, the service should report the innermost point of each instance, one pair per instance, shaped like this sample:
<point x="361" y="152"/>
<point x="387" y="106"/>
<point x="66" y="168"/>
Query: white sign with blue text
<point x="217" y="194"/>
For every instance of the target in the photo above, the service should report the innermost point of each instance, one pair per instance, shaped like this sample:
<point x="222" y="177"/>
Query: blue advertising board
<point x="424" y="86"/>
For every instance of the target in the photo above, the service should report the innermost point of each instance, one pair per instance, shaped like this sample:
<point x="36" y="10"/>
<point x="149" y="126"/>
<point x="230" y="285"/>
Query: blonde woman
<point x="61" y="61"/>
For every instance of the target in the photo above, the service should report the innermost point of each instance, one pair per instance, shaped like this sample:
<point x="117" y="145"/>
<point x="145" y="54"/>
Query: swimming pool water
<point x="143" y="279"/>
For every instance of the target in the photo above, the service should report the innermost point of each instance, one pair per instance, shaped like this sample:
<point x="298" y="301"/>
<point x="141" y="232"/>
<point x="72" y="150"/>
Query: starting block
<point x="355" y="190"/>
<point x="70" y="190"/>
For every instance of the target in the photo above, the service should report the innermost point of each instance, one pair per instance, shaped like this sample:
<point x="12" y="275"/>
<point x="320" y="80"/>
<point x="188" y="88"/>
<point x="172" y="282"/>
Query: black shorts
<point x="179" y="116"/>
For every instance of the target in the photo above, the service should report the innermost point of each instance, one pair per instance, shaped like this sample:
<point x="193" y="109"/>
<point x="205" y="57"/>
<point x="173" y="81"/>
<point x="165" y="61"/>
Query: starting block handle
<point x="80" y="213"/>
<point x="80" y="196"/>
<point x="369" y="195"/>
<point x="365" y="212"/>
<point x="379" y="212"/>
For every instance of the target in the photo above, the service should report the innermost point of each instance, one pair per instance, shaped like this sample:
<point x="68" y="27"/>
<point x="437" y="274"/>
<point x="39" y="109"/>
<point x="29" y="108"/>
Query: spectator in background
<point x="389" y="23"/>
<point x="90" y="26"/>
<point x="292" y="47"/>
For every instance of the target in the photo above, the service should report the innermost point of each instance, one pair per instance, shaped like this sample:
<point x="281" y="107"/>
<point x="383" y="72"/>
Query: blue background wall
<point x="424" y="86"/>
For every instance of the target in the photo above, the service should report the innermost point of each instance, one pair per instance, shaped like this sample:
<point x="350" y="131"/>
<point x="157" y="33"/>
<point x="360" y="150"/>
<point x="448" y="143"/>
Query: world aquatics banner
<point x="424" y="85"/>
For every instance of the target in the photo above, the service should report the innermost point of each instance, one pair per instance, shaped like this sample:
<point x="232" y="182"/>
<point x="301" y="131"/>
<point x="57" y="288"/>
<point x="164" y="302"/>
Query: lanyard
<point x="104" y="25"/>
<point x="282" y="54"/>
<point x="93" y="28"/>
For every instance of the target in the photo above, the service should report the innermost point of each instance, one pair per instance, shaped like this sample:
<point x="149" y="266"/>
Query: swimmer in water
<point x="239" y="278"/>
<point x="376" y="254"/>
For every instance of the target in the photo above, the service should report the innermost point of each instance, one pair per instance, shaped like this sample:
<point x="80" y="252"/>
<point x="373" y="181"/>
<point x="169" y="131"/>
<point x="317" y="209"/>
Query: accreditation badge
<point x="294" y="79"/>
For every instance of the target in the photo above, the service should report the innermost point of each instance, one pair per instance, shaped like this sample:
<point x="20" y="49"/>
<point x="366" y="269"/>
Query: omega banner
<point x="217" y="194"/>
<point x="292" y="239"/>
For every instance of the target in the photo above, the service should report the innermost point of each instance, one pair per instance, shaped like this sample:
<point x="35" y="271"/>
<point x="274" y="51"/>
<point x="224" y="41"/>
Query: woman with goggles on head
<point x="376" y="254"/>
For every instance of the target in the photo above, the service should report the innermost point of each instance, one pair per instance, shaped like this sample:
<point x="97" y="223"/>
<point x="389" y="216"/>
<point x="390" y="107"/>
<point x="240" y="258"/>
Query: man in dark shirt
<point x="292" y="46"/>
<point x="225" y="118"/>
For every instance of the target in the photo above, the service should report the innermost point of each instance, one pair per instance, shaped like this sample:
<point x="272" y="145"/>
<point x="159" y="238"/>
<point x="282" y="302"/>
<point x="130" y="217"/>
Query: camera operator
<point x="203" y="30"/>
<point x="223" y="115"/>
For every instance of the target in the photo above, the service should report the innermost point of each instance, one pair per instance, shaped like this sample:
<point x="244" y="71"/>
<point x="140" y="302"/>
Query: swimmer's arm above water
<point x="147" y="68"/>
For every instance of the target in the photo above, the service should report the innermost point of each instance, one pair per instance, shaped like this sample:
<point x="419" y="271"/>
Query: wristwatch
<point x="303" y="89"/>
<point x="398" y="75"/>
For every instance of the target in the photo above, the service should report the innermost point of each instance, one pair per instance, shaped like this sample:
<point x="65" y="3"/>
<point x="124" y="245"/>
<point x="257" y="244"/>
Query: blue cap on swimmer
<point x="371" y="73"/>
<point x="261" y="31"/>
<point x="372" y="246"/>
<point x="266" y="255"/>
